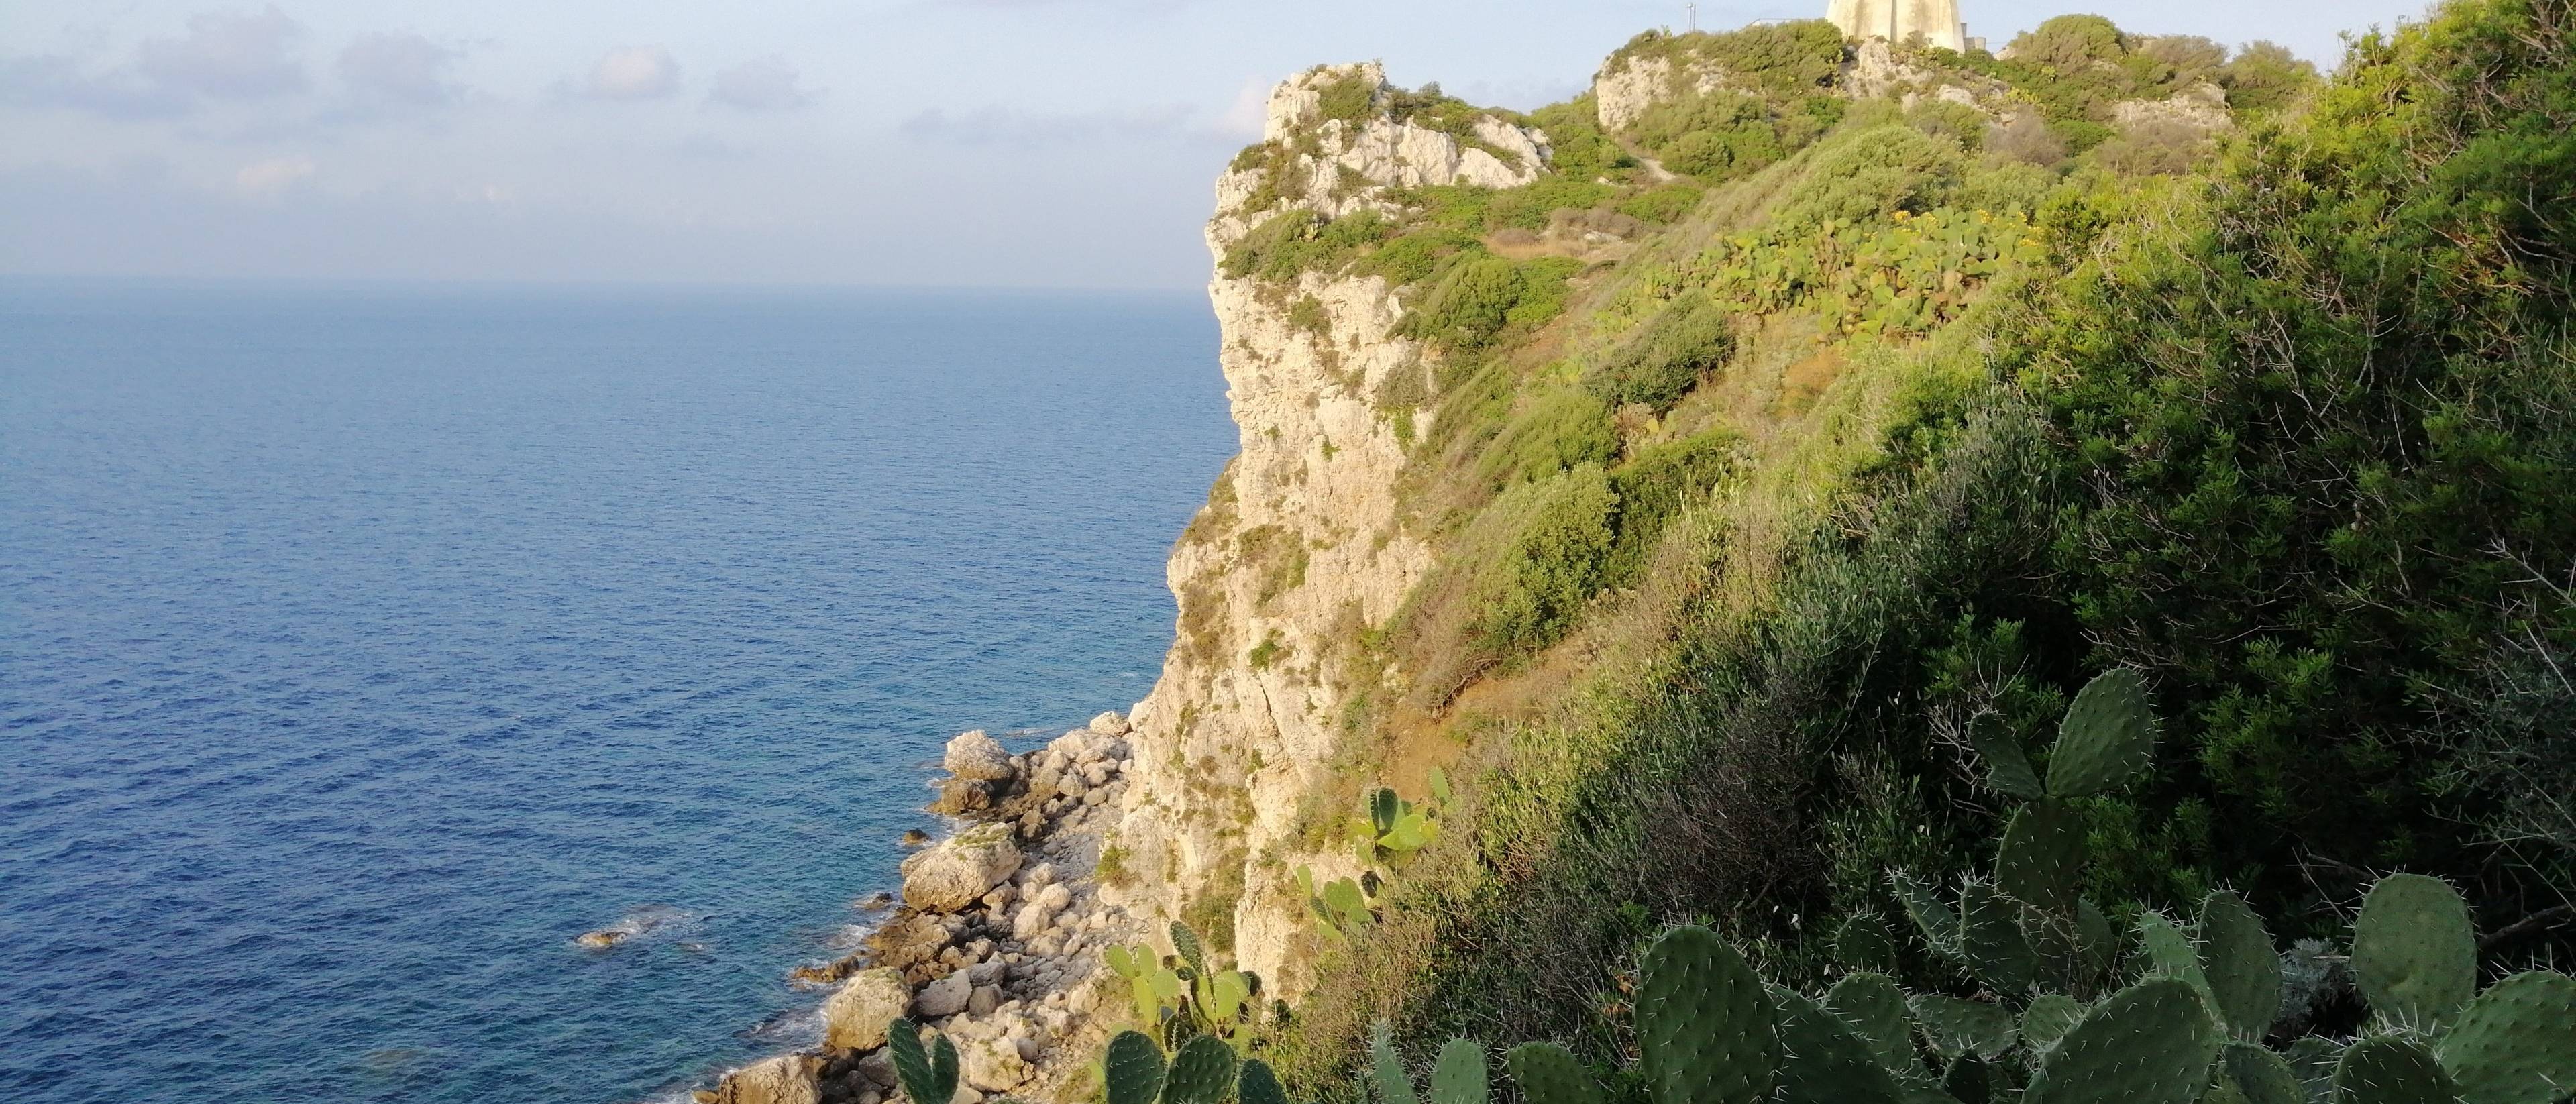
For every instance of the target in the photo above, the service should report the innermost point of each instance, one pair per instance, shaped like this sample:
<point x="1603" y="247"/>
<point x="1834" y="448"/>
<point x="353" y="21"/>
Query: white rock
<point x="993" y="1065"/>
<point x="977" y="756"/>
<point x="1110" y="724"/>
<point x="1032" y="921"/>
<point x="944" y="997"/>
<point x="1096" y="773"/>
<point x="786" y="1079"/>
<point x="855" y="1017"/>
<point x="949" y="877"/>
<point x="983" y="999"/>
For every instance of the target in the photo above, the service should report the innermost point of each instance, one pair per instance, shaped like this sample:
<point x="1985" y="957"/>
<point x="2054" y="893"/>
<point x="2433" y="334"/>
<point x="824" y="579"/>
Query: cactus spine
<point x="1133" y="1071"/>
<point x="1201" y="1073"/>
<point x="2108" y="737"/>
<point x="2512" y="1044"/>
<point x="2392" y="1069"/>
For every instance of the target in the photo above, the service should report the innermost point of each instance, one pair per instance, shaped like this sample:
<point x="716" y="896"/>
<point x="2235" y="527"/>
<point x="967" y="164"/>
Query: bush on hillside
<point x="1874" y="172"/>
<point x="1667" y="357"/>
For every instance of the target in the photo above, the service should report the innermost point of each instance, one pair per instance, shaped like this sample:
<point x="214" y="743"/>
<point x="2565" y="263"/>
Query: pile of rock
<point x="997" y="941"/>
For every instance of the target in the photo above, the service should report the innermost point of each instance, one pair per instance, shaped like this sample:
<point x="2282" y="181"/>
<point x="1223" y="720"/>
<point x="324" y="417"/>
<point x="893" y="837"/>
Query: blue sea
<point x="362" y="646"/>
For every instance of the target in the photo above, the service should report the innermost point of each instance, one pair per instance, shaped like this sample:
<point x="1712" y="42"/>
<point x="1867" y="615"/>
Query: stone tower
<point x="1897" y="20"/>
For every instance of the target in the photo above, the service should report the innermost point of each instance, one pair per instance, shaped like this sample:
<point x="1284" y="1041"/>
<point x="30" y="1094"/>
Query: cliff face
<point x="1299" y="551"/>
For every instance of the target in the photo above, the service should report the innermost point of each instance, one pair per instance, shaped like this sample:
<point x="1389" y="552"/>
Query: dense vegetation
<point x="1893" y="428"/>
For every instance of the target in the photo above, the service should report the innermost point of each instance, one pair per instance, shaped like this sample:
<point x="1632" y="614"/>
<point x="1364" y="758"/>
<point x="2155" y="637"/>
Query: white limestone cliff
<point x="1299" y="549"/>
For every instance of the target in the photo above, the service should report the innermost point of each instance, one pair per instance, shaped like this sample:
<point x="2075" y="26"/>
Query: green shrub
<point x="1300" y="241"/>
<point x="1652" y="487"/>
<point x="1663" y="205"/>
<point x="1668" y="356"/>
<point x="1414" y="257"/>
<point x="1957" y="122"/>
<point x="1550" y="566"/>
<point x="1552" y="431"/>
<point x="1349" y="98"/>
<point x="1528" y="207"/>
<point x="2264" y="78"/>
<point x="1872" y="173"/>
<point x="1479" y="297"/>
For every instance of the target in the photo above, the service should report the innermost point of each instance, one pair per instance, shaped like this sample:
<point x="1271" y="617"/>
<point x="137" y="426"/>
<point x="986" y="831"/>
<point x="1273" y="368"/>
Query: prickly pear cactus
<point x="2007" y="767"/>
<point x="2392" y="1069"/>
<point x="2107" y="739"/>
<point x="930" y="1076"/>
<point x="2165" y="950"/>
<point x="1548" y="1074"/>
<point x="1823" y="1061"/>
<point x="2516" y="1043"/>
<point x="1969" y="1081"/>
<point x="1992" y="939"/>
<point x="1875" y="1009"/>
<point x="1386" y="1069"/>
<point x="1958" y="1027"/>
<point x="1863" y="942"/>
<point x="2041" y="860"/>
<point x="2048" y="1019"/>
<point x="1707" y="1031"/>
<point x="2237" y="959"/>
<point x="2262" y="1076"/>
<point x="2414" y="950"/>
<point x="1459" y="1076"/>
<point x="1202" y="1073"/>
<point x="1938" y="922"/>
<point x="1133" y="1070"/>
<point x="1255" y="1084"/>
<point x="2150" y="1043"/>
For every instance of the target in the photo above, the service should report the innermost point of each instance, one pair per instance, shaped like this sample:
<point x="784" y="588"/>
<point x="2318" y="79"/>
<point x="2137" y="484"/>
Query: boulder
<point x="786" y="1079"/>
<point x="949" y="877"/>
<point x="855" y="1017"/>
<point x="944" y="997"/>
<point x="993" y="1065"/>
<point x="1110" y="724"/>
<point x="983" y="999"/>
<point x="974" y="755"/>
<point x="960" y="796"/>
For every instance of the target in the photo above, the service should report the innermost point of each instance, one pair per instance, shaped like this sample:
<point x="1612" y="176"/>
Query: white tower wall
<point x="1898" y="20"/>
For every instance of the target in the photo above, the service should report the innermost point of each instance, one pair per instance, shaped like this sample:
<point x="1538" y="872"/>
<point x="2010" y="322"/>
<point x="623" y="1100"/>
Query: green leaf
<point x="1459" y="1076"/>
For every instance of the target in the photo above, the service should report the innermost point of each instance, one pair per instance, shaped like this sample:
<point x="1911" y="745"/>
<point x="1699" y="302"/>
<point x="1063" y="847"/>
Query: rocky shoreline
<point x="996" y="941"/>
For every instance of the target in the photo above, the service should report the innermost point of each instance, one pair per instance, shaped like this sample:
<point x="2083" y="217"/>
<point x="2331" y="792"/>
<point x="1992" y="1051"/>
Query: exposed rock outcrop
<point x="1335" y="166"/>
<point x="950" y="876"/>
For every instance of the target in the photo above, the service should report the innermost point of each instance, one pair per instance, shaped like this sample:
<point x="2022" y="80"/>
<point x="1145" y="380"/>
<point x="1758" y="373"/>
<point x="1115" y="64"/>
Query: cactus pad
<point x="1938" y="922"/>
<point x="2048" y="1019"/>
<point x="2516" y="1043"/>
<point x="2167" y="951"/>
<point x="1863" y="942"/>
<point x="1875" y="1009"/>
<point x="2392" y="1069"/>
<point x="2242" y="969"/>
<point x="2262" y="1076"/>
<point x="1991" y="938"/>
<point x="2041" y="860"/>
<point x="1706" y="1031"/>
<point x="1256" y="1084"/>
<point x="2313" y="1059"/>
<point x="1186" y="944"/>
<point x="2007" y="768"/>
<point x="1386" y="1070"/>
<point x="1824" y="1062"/>
<point x="2148" y="1044"/>
<point x="1958" y="1027"/>
<point x="1459" y="1076"/>
<point x="1969" y="1081"/>
<point x="2414" y="950"/>
<point x="2107" y="739"/>
<point x="925" y="1076"/>
<point x="1133" y="1070"/>
<point x="1548" y="1074"/>
<point x="2096" y="944"/>
<point x="1202" y="1073"/>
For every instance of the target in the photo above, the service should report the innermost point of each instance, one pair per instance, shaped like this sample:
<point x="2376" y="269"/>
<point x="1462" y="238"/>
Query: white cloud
<point x="273" y="175"/>
<point x="227" y="56"/>
<point x="400" y="69"/>
<point x="762" y="84"/>
<point x="1249" y="112"/>
<point x="635" y="73"/>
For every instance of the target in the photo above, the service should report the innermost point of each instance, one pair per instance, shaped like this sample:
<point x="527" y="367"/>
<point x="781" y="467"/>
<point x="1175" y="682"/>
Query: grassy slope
<point x="2290" y="435"/>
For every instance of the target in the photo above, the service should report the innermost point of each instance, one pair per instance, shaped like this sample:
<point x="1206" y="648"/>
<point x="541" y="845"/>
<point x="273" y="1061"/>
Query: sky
<point x="931" y="143"/>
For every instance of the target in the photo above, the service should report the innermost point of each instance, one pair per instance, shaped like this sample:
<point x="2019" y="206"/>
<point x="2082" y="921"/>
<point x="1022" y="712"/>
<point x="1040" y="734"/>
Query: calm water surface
<point x="360" y="647"/>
